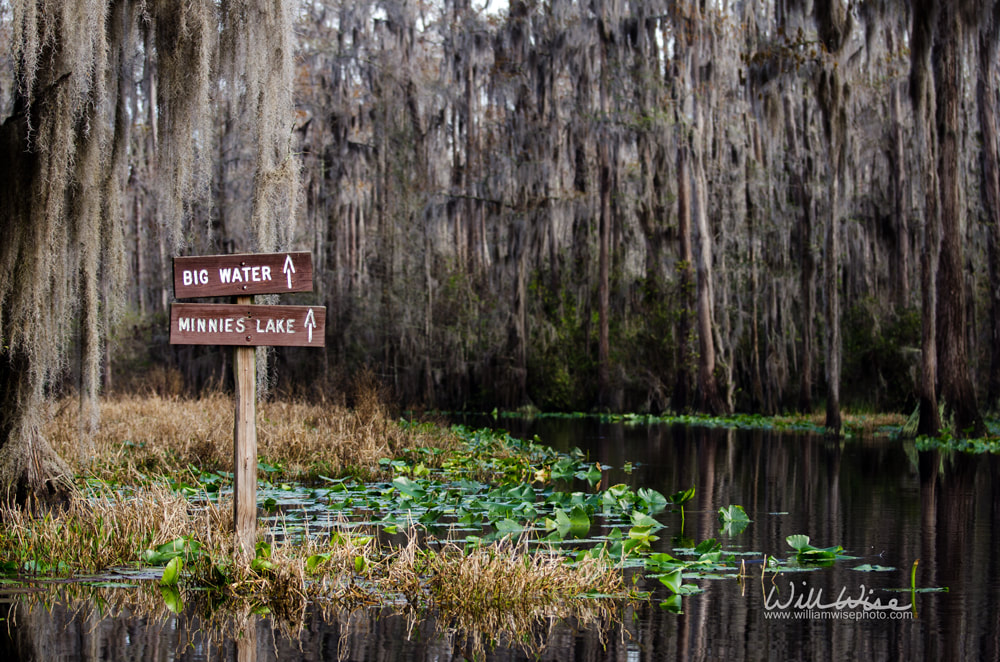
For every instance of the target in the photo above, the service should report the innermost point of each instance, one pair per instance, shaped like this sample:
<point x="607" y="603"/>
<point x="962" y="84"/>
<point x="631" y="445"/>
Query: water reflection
<point x="880" y="500"/>
<point x="82" y="631"/>
<point x="883" y="503"/>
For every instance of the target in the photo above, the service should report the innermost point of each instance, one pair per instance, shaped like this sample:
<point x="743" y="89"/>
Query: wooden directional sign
<point x="242" y="274"/>
<point x="247" y="325"/>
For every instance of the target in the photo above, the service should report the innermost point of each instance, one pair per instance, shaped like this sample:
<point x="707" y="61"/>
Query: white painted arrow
<point x="288" y="270"/>
<point x="310" y="323"/>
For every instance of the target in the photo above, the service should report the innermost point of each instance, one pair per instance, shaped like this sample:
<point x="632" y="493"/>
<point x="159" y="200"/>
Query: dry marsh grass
<point x="506" y="583"/>
<point x="166" y="435"/>
<point x="504" y="592"/>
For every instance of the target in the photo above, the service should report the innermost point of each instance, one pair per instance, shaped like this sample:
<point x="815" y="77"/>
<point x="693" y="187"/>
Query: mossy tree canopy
<point x="68" y="146"/>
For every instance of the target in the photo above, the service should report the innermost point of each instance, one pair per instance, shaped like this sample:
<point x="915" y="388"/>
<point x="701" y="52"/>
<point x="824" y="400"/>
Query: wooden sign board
<point x="247" y="325"/>
<point x="242" y="274"/>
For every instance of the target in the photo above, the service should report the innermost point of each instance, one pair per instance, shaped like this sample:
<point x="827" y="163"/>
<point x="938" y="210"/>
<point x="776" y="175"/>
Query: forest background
<point x="628" y="206"/>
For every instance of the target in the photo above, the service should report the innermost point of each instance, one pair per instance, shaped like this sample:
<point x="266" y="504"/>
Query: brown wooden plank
<point x="245" y="448"/>
<point x="242" y="274"/>
<point x="247" y="325"/>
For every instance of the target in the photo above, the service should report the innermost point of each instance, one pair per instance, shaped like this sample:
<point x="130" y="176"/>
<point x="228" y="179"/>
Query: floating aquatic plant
<point x="808" y="554"/>
<point x="734" y="520"/>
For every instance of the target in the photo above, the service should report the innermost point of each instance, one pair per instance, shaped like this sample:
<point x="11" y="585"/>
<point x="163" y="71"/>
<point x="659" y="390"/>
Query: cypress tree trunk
<point x="682" y="92"/>
<point x="603" y="284"/>
<point x="957" y="391"/>
<point x="835" y="25"/>
<point x="604" y="166"/>
<point x="835" y="126"/>
<point x="802" y="182"/>
<point x="30" y="471"/>
<point x="990" y="165"/>
<point x="930" y="418"/>
<point x="900" y="209"/>
<point x="922" y="97"/>
<point x="710" y="398"/>
<point x="831" y="277"/>
<point x="681" y="395"/>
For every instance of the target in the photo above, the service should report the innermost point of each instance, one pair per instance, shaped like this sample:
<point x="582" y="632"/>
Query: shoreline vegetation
<point x="463" y="525"/>
<point x="151" y="511"/>
<point x="889" y="425"/>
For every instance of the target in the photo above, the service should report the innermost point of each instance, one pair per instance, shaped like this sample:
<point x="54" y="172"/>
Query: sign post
<point x="245" y="448"/>
<point x="245" y="326"/>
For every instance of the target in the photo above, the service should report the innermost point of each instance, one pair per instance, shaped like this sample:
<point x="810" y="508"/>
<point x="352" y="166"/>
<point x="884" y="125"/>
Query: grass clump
<point x="93" y="534"/>
<point x="505" y="583"/>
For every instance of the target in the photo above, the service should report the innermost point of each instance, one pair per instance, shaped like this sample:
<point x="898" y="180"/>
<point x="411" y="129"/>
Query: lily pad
<point x="806" y="553"/>
<point x="734" y="520"/>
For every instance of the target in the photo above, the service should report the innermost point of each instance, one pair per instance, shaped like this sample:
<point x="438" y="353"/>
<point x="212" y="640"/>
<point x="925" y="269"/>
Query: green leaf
<point x="261" y="566"/>
<point x="643" y="519"/>
<point x="734" y="520"/>
<point x="733" y="529"/>
<point x="522" y="492"/>
<point x="806" y="553"/>
<point x="267" y="468"/>
<point x="508" y="527"/>
<point x="640" y="537"/>
<point x="709" y="558"/>
<point x="172" y="572"/>
<point x="472" y="543"/>
<point x="867" y="567"/>
<point x="563" y="468"/>
<point x="707" y="546"/>
<point x="653" y="501"/>
<point x="591" y="475"/>
<point x="579" y="522"/>
<point x="682" y="497"/>
<point x="314" y="561"/>
<point x="35" y="567"/>
<point x="172" y="599"/>
<point x="430" y="516"/>
<point x="172" y="549"/>
<point x="360" y="564"/>
<point x="798" y="542"/>
<point x="661" y="561"/>
<point x="672" y="580"/>
<point x="409" y="487"/>
<point x="222" y="573"/>
<point x="672" y="604"/>
<point x="733" y="513"/>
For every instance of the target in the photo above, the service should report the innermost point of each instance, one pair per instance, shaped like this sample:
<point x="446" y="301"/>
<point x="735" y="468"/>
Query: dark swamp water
<point x="883" y="503"/>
